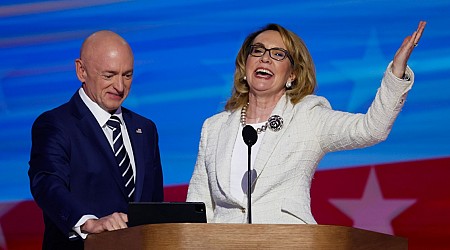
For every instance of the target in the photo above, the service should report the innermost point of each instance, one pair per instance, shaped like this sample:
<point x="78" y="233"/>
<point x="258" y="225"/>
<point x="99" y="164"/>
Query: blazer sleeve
<point x="338" y="130"/>
<point x="49" y="173"/>
<point x="199" y="189"/>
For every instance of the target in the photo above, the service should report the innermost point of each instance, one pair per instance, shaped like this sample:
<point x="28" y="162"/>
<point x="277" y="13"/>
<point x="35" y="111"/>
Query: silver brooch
<point x="275" y="123"/>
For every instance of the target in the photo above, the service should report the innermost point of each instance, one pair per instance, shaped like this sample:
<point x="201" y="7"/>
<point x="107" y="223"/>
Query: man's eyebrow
<point x="109" y="72"/>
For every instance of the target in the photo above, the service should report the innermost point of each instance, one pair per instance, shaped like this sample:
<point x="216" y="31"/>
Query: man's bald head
<point x="101" y="41"/>
<point x="105" y="69"/>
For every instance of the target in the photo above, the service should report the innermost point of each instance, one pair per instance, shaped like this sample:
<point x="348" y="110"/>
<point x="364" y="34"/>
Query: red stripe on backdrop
<point x="426" y="222"/>
<point x="22" y="226"/>
<point x="418" y="194"/>
<point x="175" y="193"/>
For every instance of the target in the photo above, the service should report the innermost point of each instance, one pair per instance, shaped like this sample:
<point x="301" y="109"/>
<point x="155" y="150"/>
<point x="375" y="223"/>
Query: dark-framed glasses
<point x="278" y="54"/>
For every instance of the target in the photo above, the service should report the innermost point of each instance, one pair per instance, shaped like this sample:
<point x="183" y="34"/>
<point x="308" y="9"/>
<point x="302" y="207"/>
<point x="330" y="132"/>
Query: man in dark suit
<point x="75" y="177"/>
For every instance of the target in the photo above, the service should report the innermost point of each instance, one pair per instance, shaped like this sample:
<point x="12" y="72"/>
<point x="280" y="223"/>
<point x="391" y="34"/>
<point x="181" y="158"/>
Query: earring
<point x="288" y="84"/>
<point x="245" y="78"/>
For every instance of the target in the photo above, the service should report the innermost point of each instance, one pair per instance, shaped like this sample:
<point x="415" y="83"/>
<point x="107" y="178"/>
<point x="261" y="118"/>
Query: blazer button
<point x="243" y="210"/>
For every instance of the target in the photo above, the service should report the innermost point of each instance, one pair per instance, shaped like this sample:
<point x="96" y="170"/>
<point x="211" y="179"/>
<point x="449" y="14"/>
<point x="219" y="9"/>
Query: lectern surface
<point x="243" y="236"/>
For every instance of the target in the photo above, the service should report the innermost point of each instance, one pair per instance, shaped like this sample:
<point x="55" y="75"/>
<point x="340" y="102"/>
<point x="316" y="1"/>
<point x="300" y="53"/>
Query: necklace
<point x="274" y="123"/>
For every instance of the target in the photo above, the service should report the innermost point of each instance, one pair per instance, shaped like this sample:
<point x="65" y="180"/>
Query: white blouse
<point x="239" y="164"/>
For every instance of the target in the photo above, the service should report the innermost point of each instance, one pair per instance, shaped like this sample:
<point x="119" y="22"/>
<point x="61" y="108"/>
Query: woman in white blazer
<point x="273" y="91"/>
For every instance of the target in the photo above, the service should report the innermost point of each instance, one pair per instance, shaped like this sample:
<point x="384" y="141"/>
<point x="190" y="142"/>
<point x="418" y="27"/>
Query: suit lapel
<point x="271" y="139"/>
<point x="136" y="136"/>
<point x="227" y="138"/>
<point x="93" y="132"/>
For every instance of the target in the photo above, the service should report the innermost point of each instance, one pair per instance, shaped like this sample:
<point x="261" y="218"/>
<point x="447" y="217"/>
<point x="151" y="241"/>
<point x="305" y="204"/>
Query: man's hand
<point x="108" y="223"/>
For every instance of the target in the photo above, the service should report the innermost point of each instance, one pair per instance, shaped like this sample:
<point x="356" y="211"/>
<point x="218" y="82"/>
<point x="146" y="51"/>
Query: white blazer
<point x="287" y="159"/>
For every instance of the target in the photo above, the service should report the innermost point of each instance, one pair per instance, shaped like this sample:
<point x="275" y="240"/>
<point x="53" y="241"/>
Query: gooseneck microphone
<point x="250" y="137"/>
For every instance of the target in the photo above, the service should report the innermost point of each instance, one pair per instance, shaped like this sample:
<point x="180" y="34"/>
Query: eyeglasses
<point x="278" y="54"/>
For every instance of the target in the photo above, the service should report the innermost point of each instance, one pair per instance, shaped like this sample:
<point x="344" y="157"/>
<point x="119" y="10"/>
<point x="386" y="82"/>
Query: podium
<point x="239" y="236"/>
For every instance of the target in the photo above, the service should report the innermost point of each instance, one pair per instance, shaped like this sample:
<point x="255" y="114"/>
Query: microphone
<point x="250" y="137"/>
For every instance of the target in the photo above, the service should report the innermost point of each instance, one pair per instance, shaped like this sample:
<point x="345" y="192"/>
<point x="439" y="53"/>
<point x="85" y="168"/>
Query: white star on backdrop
<point x="373" y="212"/>
<point x="365" y="73"/>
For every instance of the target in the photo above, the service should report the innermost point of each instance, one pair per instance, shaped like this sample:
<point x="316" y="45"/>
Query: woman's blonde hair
<point x="303" y="68"/>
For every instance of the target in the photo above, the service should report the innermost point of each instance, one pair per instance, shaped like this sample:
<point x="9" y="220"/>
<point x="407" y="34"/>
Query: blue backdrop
<point x="185" y="51"/>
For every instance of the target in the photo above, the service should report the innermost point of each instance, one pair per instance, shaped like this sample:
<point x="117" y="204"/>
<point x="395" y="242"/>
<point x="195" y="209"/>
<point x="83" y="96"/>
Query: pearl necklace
<point x="274" y="123"/>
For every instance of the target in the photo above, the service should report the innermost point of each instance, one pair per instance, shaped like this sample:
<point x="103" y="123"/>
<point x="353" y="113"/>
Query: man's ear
<point x="80" y="70"/>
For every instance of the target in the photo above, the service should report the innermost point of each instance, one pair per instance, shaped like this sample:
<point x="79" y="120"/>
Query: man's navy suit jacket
<point x="73" y="171"/>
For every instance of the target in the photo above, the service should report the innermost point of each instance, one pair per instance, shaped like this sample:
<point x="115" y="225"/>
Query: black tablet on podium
<point x="141" y="213"/>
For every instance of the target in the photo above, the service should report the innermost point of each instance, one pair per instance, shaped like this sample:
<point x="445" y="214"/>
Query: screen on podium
<point x="141" y="213"/>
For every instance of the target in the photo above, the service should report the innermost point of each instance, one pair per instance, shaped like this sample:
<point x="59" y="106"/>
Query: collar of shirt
<point x="100" y="114"/>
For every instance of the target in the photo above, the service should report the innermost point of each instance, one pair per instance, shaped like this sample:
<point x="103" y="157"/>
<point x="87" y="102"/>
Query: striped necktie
<point x="122" y="156"/>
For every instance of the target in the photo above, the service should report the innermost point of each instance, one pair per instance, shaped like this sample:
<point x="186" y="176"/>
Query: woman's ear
<point x="292" y="77"/>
